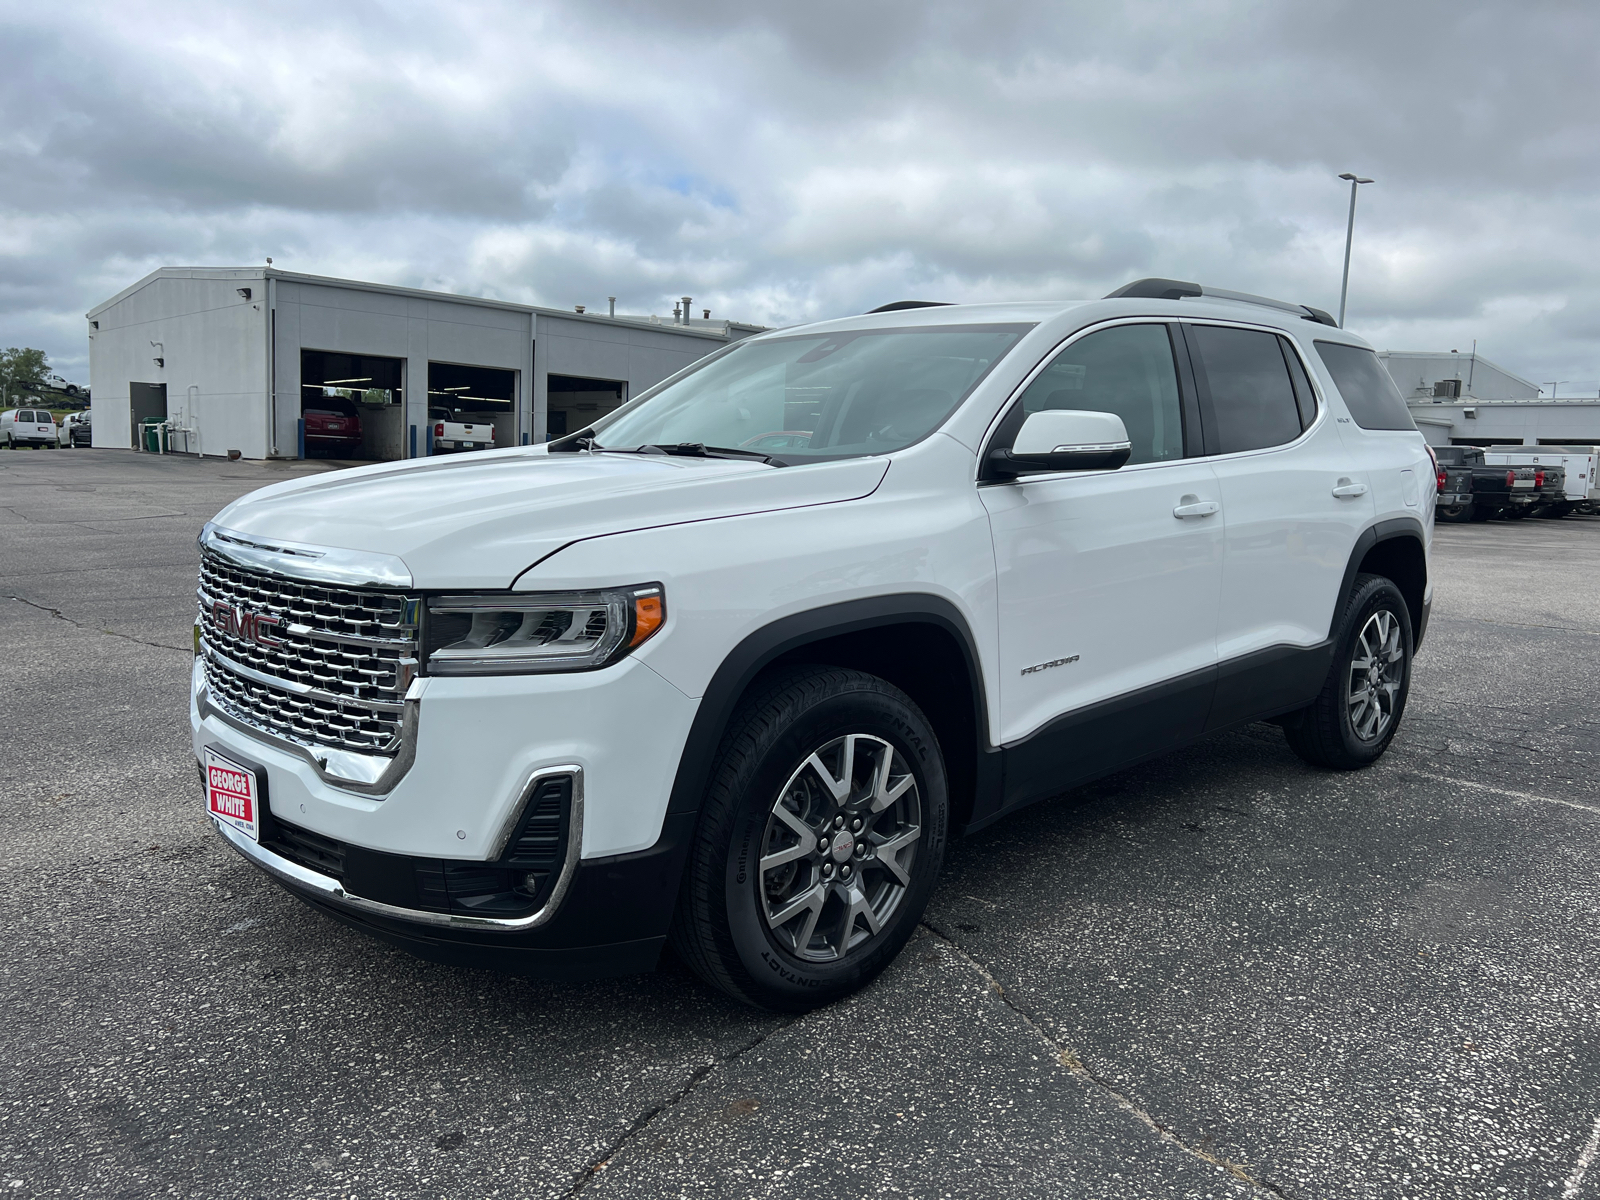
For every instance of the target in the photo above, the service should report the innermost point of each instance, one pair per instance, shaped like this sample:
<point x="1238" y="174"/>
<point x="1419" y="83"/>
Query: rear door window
<point x="1369" y="393"/>
<point x="1246" y="393"/>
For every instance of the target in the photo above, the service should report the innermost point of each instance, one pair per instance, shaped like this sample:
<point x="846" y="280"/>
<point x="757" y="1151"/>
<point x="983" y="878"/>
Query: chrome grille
<point x="339" y="674"/>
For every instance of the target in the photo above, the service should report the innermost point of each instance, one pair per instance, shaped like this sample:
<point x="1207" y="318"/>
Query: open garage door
<point x="576" y="402"/>
<point x="352" y="406"/>
<point x="463" y="399"/>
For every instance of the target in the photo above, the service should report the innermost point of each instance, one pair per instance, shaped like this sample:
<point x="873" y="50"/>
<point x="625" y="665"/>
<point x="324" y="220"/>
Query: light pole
<point x="1349" y="234"/>
<point x="1555" y="386"/>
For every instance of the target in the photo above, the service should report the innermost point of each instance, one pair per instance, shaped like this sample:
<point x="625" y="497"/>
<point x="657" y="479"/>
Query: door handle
<point x="1345" y="489"/>
<point x="1193" y="506"/>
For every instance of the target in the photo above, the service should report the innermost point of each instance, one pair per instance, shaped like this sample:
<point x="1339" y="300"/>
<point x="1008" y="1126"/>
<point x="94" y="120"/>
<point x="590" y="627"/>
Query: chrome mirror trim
<point x="300" y="560"/>
<point x="332" y="891"/>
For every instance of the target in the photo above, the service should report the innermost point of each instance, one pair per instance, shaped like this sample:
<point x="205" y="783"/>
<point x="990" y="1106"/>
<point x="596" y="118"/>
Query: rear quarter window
<point x="1370" y="395"/>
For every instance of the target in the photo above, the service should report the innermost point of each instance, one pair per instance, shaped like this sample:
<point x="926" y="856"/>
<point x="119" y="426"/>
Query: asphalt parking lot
<point x="1223" y="974"/>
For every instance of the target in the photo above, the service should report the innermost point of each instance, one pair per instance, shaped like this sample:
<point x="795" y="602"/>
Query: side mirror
<point x="1064" y="439"/>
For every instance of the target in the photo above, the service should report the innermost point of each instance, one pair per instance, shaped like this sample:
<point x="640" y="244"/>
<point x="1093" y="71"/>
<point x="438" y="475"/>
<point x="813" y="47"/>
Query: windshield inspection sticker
<point x="232" y="794"/>
<point x="1054" y="662"/>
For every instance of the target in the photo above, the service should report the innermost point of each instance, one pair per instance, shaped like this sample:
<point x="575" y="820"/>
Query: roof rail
<point x="1175" y="289"/>
<point x="903" y="304"/>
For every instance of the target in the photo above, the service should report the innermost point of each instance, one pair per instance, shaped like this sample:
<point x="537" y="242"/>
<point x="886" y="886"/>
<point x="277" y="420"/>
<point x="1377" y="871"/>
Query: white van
<point x="28" y="427"/>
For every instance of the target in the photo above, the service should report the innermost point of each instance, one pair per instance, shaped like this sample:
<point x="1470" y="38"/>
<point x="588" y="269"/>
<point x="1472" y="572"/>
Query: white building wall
<point x="217" y="348"/>
<point x="1415" y="372"/>
<point x="1510" y="424"/>
<point x="598" y="348"/>
<point x="214" y="344"/>
<point x="343" y="320"/>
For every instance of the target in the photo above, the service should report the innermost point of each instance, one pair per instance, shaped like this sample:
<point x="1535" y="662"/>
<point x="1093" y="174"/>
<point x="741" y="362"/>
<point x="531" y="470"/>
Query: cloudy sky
<point x="788" y="162"/>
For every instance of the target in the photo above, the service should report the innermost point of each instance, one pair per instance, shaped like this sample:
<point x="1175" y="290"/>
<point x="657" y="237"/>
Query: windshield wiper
<point x="701" y="450"/>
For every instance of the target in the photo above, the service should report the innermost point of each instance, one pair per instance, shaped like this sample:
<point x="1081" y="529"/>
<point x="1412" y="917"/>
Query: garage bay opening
<point x="576" y="402"/>
<point x="352" y="406"/>
<point x="465" y="403"/>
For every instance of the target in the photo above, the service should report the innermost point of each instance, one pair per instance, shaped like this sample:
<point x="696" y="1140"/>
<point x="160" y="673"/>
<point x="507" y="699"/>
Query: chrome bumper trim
<point x="374" y="775"/>
<point x="332" y="891"/>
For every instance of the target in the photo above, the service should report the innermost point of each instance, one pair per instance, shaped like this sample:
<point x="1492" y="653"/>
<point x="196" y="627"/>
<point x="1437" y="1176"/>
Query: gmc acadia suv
<point x="730" y="666"/>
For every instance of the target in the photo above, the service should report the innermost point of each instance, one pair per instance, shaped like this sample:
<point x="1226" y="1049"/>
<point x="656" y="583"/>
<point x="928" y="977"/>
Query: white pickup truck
<point x="1580" y="462"/>
<point x="451" y="433"/>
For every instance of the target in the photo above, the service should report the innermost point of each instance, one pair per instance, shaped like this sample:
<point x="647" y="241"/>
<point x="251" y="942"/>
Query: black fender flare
<point x="764" y="646"/>
<point x="1384" y="531"/>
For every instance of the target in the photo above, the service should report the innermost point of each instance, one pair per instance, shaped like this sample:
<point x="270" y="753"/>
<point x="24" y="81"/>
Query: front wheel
<point x="819" y="842"/>
<point x="1355" y="716"/>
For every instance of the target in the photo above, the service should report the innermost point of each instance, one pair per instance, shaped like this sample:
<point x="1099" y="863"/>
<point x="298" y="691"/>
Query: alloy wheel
<point x="1377" y="671"/>
<point x="838" y="847"/>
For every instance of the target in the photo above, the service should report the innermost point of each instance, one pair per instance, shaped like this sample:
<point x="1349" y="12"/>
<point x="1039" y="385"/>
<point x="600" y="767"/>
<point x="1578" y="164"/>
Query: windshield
<point x="824" y="395"/>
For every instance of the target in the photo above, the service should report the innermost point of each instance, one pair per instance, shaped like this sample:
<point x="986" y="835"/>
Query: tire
<point x="1455" y="512"/>
<point x="1337" y="730"/>
<point x="793" y="743"/>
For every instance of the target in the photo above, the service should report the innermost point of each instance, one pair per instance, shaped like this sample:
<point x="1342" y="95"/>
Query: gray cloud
<point x="782" y="163"/>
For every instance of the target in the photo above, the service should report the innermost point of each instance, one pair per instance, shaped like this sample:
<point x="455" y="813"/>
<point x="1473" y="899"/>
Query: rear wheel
<point x="820" y="840"/>
<point x="1454" y="512"/>
<point x="1355" y="716"/>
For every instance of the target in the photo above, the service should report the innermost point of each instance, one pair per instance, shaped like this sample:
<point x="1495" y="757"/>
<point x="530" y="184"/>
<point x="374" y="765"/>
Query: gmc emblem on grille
<point x="243" y="624"/>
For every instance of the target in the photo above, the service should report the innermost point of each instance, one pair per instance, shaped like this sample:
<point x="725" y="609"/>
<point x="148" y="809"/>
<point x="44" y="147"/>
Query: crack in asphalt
<point x="644" y="1120"/>
<point x="1068" y="1058"/>
<point x="128" y="637"/>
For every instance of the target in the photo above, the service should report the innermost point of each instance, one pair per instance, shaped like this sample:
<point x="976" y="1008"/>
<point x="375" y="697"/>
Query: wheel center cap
<point x="844" y="845"/>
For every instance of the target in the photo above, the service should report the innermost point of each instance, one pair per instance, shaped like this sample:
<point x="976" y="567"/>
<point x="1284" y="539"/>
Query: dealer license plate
<point x="233" y="794"/>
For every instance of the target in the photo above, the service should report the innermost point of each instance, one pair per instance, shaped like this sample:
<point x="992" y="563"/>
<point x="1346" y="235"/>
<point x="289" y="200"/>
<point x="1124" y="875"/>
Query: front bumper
<point x="481" y="744"/>
<point x="613" y="919"/>
<point x="478" y="742"/>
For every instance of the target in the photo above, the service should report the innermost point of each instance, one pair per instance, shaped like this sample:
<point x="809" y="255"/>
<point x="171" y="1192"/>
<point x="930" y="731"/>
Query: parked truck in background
<point x="1581" y="492"/>
<point x="458" y="431"/>
<point x="1469" y="489"/>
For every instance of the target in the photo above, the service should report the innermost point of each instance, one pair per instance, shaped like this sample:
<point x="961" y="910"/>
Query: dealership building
<point x="233" y="359"/>
<point x="1466" y="400"/>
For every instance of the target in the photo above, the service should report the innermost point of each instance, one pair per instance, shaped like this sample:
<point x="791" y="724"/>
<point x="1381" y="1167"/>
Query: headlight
<point x="505" y="634"/>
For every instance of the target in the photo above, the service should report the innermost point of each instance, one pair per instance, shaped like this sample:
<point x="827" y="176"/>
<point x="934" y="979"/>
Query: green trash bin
<point x="151" y="439"/>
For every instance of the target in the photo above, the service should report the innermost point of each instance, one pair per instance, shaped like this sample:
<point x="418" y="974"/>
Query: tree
<point x="19" y="368"/>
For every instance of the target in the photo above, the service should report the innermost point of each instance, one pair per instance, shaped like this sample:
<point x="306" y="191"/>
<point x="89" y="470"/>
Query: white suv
<point x="545" y="707"/>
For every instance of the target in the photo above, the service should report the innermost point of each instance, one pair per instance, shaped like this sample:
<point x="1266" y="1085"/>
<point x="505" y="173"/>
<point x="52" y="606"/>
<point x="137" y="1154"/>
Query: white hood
<point x="480" y="520"/>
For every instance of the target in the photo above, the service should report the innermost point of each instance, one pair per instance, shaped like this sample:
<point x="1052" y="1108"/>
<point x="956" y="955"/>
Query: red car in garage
<point x="333" y="427"/>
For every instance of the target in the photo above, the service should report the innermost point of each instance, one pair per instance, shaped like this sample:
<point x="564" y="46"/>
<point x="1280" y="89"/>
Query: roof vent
<point x="901" y="305"/>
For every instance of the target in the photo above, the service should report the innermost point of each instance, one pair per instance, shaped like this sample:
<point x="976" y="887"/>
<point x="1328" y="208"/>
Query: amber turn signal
<point x="648" y="614"/>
